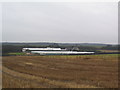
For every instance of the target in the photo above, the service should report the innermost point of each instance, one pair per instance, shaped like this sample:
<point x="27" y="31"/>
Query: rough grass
<point x="80" y="71"/>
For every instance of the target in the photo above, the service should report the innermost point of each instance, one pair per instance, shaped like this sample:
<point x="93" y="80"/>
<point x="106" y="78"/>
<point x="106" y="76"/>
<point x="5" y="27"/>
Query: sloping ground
<point x="60" y="71"/>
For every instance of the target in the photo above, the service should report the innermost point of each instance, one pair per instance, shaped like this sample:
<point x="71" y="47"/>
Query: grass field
<point x="17" y="53"/>
<point x="80" y="71"/>
<point x="109" y="50"/>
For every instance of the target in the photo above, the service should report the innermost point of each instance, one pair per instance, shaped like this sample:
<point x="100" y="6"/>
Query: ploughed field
<point x="80" y="71"/>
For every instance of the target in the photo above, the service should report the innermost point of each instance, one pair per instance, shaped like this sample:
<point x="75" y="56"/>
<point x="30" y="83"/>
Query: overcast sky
<point x="61" y="22"/>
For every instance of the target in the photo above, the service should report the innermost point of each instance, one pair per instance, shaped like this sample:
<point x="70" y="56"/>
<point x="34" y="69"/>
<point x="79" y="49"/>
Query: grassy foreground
<point x="80" y="71"/>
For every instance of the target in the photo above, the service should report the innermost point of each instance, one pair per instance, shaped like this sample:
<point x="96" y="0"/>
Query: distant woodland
<point x="17" y="47"/>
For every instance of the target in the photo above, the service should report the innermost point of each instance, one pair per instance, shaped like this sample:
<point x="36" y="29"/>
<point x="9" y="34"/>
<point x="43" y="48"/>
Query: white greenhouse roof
<point x="42" y="48"/>
<point x="61" y="52"/>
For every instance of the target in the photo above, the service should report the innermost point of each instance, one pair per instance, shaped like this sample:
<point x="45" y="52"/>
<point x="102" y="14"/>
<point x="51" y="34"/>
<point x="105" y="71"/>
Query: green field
<point x="16" y="53"/>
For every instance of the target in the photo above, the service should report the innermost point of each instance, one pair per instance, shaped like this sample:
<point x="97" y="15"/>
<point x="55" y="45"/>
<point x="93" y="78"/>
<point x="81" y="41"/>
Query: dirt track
<point x="60" y="71"/>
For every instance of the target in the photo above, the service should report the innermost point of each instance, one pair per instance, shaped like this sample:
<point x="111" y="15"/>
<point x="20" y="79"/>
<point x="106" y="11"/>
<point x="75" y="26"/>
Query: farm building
<point x="52" y="51"/>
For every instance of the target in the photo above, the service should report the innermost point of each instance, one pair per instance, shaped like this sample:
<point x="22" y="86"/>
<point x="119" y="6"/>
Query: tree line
<point x="17" y="48"/>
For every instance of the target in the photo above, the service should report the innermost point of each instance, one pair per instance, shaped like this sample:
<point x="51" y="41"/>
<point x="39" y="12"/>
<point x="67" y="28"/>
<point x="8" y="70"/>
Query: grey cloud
<point x="60" y="22"/>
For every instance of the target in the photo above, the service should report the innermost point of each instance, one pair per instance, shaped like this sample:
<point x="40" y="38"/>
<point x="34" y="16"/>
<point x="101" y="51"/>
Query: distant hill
<point x="49" y="43"/>
<point x="84" y="44"/>
<point x="31" y="44"/>
<point x="8" y="47"/>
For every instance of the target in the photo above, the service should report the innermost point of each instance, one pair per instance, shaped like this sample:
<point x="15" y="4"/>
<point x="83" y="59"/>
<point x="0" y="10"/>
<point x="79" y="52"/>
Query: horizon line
<point x="52" y="42"/>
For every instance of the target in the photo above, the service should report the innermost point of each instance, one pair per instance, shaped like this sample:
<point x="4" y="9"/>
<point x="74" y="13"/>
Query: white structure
<point x="41" y="49"/>
<point x="53" y="51"/>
